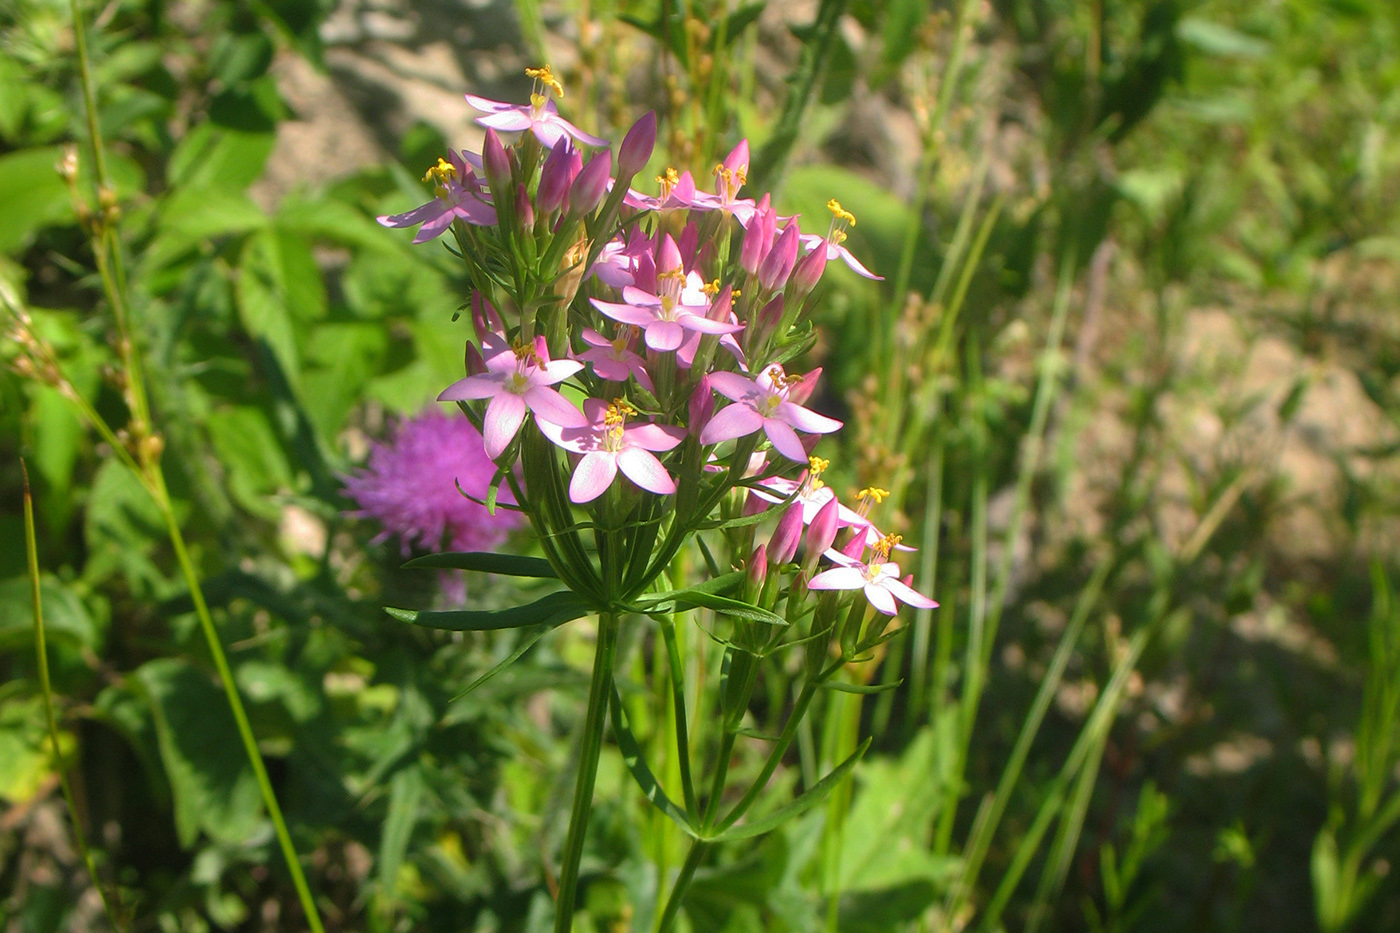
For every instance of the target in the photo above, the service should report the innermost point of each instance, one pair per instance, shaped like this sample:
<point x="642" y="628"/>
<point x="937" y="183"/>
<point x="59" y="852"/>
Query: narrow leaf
<point x="552" y="610"/>
<point x="636" y="763"/>
<point x="802" y="804"/>
<point x="842" y="687"/>
<point x="511" y="565"/>
<point x="526" y="643"/>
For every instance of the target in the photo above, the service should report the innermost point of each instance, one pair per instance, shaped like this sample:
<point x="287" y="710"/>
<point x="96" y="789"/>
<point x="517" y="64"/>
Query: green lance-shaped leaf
<point x="796" y="808"/>
<point x="527" y="641"/>
<point x="708" y="595"/>
<point x="842" y="687"/>
<point x="636" y="763"/>
<point x="552" y="610"/>
<point x="511" y="565"/>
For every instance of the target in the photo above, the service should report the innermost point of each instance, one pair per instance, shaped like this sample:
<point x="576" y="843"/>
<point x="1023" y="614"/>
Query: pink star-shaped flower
<point x="879" y="580"/>
<point x="614" y="359"/>
<point x="764" y="404"/>
<point x="609" y="444"/>
<point x="516" y="379"/>
<point x="834" y="251"/>
<point x="540" y="117"/>
<point x="460" y="194"/>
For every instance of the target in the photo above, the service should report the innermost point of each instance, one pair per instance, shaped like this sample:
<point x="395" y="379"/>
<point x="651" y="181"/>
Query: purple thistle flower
<point x="409" y="486"/>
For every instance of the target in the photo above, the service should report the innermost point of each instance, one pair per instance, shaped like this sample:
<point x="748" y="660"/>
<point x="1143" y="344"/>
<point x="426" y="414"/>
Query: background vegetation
<point x="1133" y="375"/>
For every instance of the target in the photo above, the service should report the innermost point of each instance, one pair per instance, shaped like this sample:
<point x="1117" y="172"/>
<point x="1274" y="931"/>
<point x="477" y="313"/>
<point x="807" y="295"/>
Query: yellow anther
<point x="874" y="493"/>
<point x="525" y="352"/>
<point x="780" y="379"/>
<point x="442" y="172"/>
<point x="711" y="288"/>
<point x="883" y="548"/>
<point x="617" y="414"/>
<point x="817" y="465"/>
<point x="668" y="180"/>
<point x="842" y="215"/>
<point x="546" y="79"/>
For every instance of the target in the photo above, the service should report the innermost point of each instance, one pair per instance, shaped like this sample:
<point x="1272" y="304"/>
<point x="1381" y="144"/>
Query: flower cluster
<point x="619" y="302"/>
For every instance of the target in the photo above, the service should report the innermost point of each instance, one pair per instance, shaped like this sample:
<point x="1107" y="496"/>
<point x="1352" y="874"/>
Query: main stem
<point x="599" y="691"/>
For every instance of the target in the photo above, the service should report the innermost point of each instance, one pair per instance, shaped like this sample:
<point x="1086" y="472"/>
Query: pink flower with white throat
<point x="764" y="404"/>
<point x="680" y="304"/>
<point x="541" y="117"/>
<point x="878" y="579"/>
<point x="615" y="360"/>
<point x="609" y="444"/>
<point x="516" y="380"/>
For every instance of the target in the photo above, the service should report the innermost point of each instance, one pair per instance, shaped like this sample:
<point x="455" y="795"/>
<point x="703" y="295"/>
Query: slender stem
<point x="673" y="903"/>
<point x="599" y="690"/>
<point x="42" y="662"/>
<point x="235" y="702"/>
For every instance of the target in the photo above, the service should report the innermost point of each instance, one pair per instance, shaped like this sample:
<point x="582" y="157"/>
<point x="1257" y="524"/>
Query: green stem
<point x="598" y="696"/>
<point x="673" y="903"/>
<point x="42" y="661"/>
<point x="235" y="702"/>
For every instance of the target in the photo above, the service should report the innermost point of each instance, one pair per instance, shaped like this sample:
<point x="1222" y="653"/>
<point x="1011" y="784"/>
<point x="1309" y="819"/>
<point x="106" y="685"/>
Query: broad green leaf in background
<point x="256" y="465"/>
<point x="66" y="619"/>
<point x="25" y="759"/>
<point x="34" y="196"/>
<point x="210" y="779"/>
<point x="265" y="292"/>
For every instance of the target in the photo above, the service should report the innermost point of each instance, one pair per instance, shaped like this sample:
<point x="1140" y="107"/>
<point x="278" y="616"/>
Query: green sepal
<point x="550" y="611"/>
<point x="841" y="686"/>
<point x="813" y="796"/>
<point x="636" y="763"/>
<point x="511" y="565"/>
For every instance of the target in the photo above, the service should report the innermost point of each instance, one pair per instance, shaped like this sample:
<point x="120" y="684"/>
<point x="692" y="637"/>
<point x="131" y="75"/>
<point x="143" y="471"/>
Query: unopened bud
<point x="637" y="146"/>
<point x="821" y="533"/>
<point x="485" y="318"/>
<point x="809" y="271"/>
<point x="782" y="547"/>
<point x="701" y="407"/>
<point x="769" y="318"/>
<point x="494" y="161"/>
<point x="855" y="548"/>
<point x="591" y="185"/>
<point x="758" y="567"/>
<point x="668" y="257"/>
<point x="773" y="272"/>
<point x="758" y="236"/>
<point x="560" y="168"/>
<point x="689" y="243"/>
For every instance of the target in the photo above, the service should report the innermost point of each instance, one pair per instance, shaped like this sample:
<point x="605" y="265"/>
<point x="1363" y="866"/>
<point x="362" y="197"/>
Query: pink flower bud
<point x="758" y="236"/>
<point x="644" y="277"/>
<point x="722" y="306"/>
<point x="753" y="505"/>
<point x="690" y="239"/>
<point x="769" y="318"/>
<point x="802" y="389"/>
<point x="782" y="547"/>
<point x="523" y="209"/>
<point x="668" y="257"/>
<point x="773" y="272"/>
<point x="701" y="407"/>
<point x="635" y="151"/>
<point x="758" y="566"/>
<point x="855" y="548"/>
<point x="473" y="362"/>
<point x="494" y="161"/>
<point x="591" y="184"/>
<point x="560" y="168"/>
<point x="485" y="318"/>
<point x="809" y="271"/>
<point x="822" y="532"/>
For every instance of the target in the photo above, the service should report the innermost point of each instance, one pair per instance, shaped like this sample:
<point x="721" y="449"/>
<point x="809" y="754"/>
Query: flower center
<point x="732" y="180"/>
<point x="840" y="220"/>
<point x="816" y="466"/>
<point x="667" y="181"/>
<point x="614" y="420"/>
<point x="872" y="496"/>
<point x="545" y="82"/>
<point x="881" y="555"/>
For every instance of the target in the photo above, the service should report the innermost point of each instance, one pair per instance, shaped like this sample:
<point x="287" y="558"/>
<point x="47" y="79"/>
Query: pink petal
<point x="507" y="121"/>
<point x="606" y="366"/>
<point x="549" y="405"/>
<point x="490" y="106"/>
<point x="732" y="386"/>
<point x="880" y="598"/>
<point x="593" y="475"/>
<point x="626" y="314"/>
<point x="910" y="595"/>
<point x="434" y="228"/>
<point x="420" y="214"/>
<point x="784" y="438"/>
<point x="557" y="371"/>
<point x="664" y="335"/>
<point x="706" y="326"/>
<point x="575" y="132"/>
<point x="838" y="578"/>
<point x="804" y="419"/>
<point x="502" y="420"/>
<point x="737" y="420"/>
<point x="659" y="437"/>
<point x="642" y="468"/>
<point x="472" y="387"/>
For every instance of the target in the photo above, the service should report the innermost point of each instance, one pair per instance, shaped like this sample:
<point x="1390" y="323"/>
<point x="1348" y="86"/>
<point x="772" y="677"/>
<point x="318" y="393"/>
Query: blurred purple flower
<point x="408" y="486"/>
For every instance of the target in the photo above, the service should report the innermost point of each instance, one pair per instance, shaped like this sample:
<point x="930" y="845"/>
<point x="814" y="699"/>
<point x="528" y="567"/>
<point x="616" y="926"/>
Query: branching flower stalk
<point x="629" y="374"/>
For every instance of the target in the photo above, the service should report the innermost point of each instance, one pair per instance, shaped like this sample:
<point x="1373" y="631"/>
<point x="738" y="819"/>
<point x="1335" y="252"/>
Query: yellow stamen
<point x="617" y="413"/>
<point x="842" y="215"/>
<point x="711" y="288"/>
<point x="525" y="352"/>
<point x="668" y="181"/>
<point x="546" y="79"/>
<point x="442" y="172"/>
<point x="883" y="548"/>
<point x="873" y="493"/>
